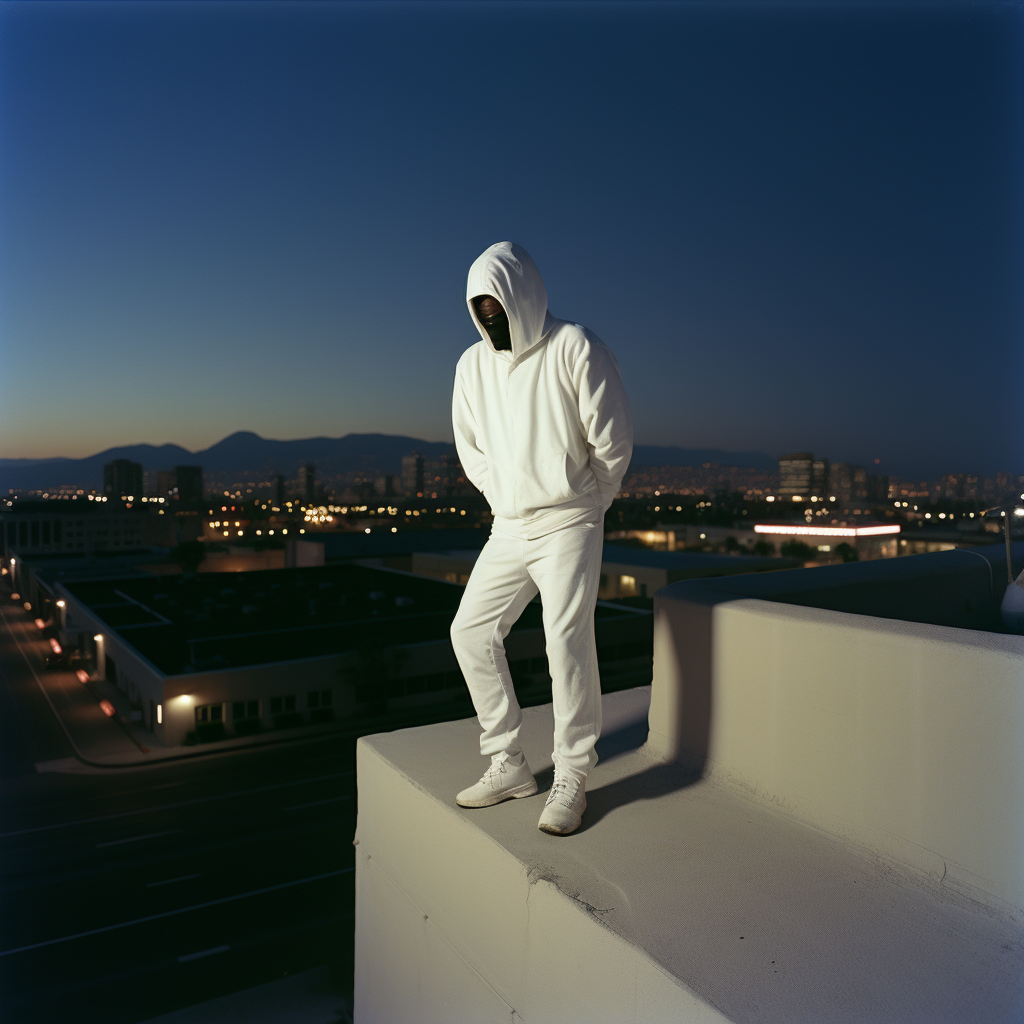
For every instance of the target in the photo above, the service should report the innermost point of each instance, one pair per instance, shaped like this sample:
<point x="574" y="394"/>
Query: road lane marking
<point x="205" y="952"/>
<point x="179" y="803"/>
<point x="180" y="910"/>
<point x="136" y="839"/>
<point x="167" y="881"/>
<point x="318" y="803"/>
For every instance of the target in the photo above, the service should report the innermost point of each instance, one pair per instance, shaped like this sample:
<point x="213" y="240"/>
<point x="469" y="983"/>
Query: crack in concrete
<point x="535" y="875"/>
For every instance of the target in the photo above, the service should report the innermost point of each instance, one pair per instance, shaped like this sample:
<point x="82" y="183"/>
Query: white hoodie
<point x="543" y="431"/>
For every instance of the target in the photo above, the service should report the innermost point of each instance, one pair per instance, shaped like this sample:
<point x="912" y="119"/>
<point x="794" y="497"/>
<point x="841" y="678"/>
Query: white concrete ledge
<point x="904" y="737"/>
<point x="681" y="899"/>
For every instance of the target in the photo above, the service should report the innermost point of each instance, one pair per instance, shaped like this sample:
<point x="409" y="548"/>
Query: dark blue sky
<point x="796" y="226"/>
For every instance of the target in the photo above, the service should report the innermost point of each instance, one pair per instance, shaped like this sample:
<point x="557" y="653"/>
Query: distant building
<point x="189" y="482"/>
<point x="307" y="481"/>
<point x="820" y="478"/>
<point x="796" y="474"/>
<point x="412" y="473"/>
<point x="625" y="571"/>
<point x="233" y="653"/>
<point x="122" y="477"/>
<point x="165" y="483"/>
<point x="83" y="526"/>
<point x="453" y="478"/>
<point x="385" y="485"/>
<point x="279" y="490"/>
<point x="850" y="484"/>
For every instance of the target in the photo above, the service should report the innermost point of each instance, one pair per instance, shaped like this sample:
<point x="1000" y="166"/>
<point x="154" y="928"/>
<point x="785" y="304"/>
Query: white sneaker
<point x="565" y="805"/>
<point x="502" y="781"/>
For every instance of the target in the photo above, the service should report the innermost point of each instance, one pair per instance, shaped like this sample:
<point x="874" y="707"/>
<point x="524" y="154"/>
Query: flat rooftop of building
<point x="762" y="918"/>
<point x="226" y="620"/>
<point x="964" y="587"/>
<point x="57" y="568"/>
<point x="340" y="545"/>
<point x="693" y="562"/>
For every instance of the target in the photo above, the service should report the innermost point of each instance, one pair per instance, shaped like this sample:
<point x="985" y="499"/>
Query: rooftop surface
<point x="180" y="623"/>
<point x="622" y="554"/>
<point x="961" y="588"/>
<point x="381" y="543"/>
<point x="765" y="919"/>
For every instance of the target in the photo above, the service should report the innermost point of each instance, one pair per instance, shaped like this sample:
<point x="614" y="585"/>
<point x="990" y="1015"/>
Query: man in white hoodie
<point x="543" y="428"/>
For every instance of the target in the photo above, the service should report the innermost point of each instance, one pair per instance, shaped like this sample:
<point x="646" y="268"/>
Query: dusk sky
<point x="797" y="226"/>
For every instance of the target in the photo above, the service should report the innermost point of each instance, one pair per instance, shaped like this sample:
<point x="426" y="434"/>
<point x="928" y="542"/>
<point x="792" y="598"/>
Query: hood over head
<point x="506" y="271"/>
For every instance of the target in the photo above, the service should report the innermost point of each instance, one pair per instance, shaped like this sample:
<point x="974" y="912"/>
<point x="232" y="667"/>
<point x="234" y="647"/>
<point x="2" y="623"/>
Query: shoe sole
<point x="527" y="789"/>
<point x="554" y="831"/>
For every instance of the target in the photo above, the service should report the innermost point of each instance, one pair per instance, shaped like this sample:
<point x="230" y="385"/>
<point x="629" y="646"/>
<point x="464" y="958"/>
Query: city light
<point x="83" y="676"/>
<point x="60" y="603"/>
<point x="98" y="638"/>
<point x="57" y="649"/>
<point x="159" y="714"/>
<point x="40" y="624"/>
<point x="826" y="531"/>
<point x="107" y="708"/>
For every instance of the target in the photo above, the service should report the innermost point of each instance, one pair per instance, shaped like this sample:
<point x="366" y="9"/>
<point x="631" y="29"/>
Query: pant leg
<point x="566" y="566"/>
<point x="498" y="590"/>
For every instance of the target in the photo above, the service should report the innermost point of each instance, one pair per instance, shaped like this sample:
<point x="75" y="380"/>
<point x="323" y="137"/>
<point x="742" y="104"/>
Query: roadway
<point x="128" y="893"/>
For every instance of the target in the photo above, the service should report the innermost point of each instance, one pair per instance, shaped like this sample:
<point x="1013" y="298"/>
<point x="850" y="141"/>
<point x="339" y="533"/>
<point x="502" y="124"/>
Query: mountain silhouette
<point x="247" y="452"/>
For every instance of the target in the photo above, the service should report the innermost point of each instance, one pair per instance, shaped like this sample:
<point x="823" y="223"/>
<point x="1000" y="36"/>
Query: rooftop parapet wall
<point x="903" y="736"/>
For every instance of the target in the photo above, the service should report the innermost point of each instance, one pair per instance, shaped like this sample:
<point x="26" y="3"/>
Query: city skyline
<point x="340" y="461"/>
<point x="794" y="225"/>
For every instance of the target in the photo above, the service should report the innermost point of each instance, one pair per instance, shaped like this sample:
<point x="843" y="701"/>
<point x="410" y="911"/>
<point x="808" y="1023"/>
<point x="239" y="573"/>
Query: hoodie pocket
<point x="545" y="482"/>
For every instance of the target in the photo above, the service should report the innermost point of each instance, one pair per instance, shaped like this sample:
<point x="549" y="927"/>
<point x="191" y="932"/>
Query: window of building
<point x="244" y="709"/>
<point x="319" y="698"/>
<point x="46" y="533"/>
<point x="279" y="704"/>
<point x="210" y="713"/>
<point x="35" y="535"/>
<point x="627" y="585"/>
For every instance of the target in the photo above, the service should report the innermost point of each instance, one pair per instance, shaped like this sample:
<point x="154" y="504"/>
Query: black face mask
<point x="498" y="331"/>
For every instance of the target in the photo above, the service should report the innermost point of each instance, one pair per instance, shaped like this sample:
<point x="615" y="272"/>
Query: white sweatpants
<point x="565" y="568"/>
